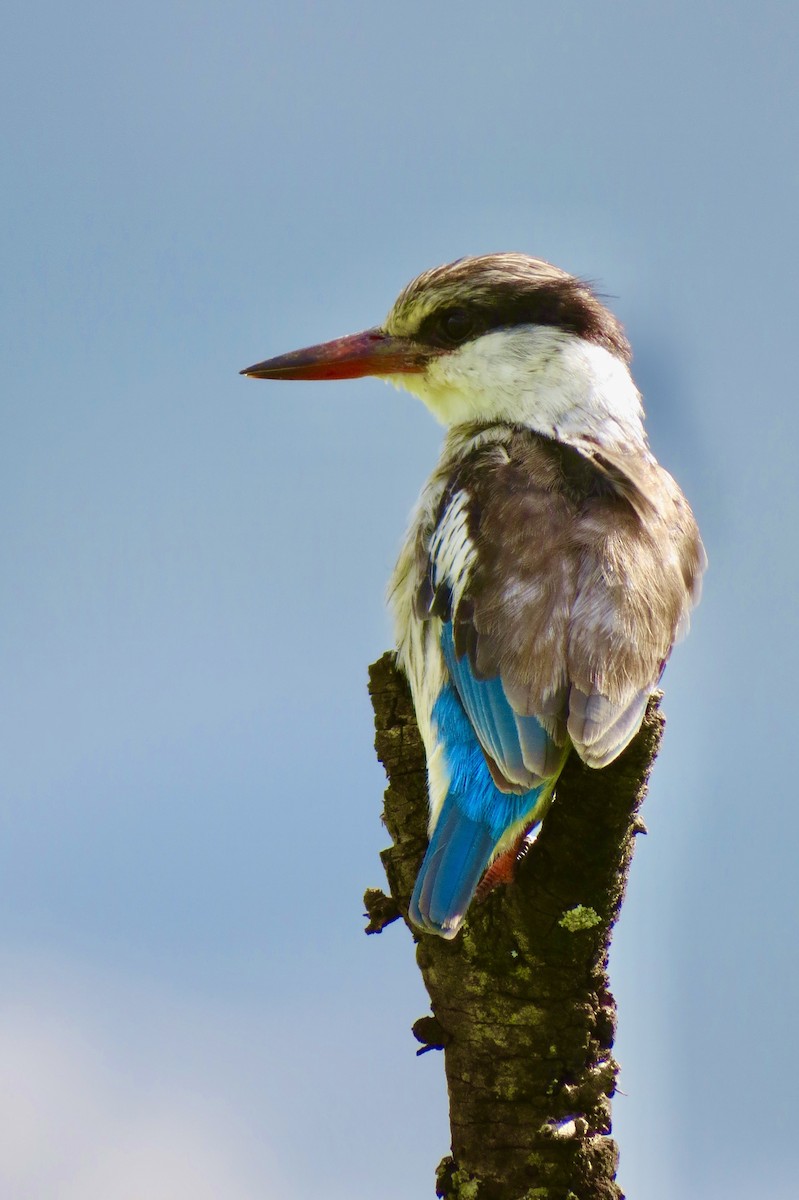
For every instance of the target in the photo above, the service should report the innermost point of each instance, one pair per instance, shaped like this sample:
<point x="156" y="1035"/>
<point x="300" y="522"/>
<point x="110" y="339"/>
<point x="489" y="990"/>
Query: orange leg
<point x="502" y="869"/>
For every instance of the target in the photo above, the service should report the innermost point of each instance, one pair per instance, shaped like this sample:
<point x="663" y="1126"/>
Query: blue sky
<point x="195" y="566"/>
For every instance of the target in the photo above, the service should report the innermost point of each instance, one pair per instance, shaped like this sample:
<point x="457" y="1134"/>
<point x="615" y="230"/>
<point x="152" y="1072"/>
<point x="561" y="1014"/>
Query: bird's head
<point x="498" y="337"/>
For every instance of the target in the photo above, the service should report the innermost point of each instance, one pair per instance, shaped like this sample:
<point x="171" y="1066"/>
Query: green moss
<point x="579" y="918"/>
<point x="466" y="1188"/>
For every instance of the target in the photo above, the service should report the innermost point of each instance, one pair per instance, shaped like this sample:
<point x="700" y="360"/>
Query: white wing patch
<point x="452" y="551"/>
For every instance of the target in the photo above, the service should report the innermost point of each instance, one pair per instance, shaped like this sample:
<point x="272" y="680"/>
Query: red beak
<point x="372" y="352"/>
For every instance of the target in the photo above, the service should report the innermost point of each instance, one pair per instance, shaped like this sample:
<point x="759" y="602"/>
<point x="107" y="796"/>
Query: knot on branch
<point x="380" y="909"/>
<point x="431" y="1033"/>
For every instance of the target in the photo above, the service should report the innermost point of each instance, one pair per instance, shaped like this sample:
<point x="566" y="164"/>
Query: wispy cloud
<point x="84" y="1118"/>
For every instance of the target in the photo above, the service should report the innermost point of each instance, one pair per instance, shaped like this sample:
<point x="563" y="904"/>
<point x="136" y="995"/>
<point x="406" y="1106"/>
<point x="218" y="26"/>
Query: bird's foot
<point x="502" y="869"/>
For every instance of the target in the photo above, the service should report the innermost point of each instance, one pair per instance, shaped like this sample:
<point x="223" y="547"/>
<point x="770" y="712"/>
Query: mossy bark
<point x="520" y="999"/>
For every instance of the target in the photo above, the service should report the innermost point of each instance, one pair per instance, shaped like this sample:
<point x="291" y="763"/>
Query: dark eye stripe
<point x="454" y="326"/>
<point x="566" y="304"/>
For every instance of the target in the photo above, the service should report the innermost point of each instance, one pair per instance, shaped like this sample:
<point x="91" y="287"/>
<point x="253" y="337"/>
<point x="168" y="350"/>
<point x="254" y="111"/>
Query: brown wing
<point x="580" y="573"/>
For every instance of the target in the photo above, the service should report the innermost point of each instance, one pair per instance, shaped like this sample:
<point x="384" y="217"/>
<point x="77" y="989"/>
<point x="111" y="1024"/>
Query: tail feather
<point x="456" y="858"/>
<point x="475" y="819"/>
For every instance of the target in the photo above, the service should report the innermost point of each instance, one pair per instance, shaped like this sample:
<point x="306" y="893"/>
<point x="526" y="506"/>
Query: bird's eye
<point x="456" y="326"/>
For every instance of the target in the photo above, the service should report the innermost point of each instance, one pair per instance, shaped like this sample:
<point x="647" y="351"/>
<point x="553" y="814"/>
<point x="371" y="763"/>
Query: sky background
<point x="195" y="568"/>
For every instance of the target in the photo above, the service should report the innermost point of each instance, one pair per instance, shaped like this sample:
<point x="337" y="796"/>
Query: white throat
<point x="534" y="375"/>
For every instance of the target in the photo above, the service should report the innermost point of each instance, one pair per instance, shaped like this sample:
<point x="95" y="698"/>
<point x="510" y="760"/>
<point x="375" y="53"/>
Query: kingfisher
<point x="550" y="563"/>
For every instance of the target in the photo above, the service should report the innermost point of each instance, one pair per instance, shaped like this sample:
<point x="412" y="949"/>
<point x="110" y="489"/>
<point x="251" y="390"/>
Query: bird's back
<point x="544" y="586"/>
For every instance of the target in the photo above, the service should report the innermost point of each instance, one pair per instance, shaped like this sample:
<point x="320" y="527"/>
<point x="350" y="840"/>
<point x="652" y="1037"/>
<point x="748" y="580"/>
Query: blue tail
<point x="456" y="858"/>
<point x="474" y="817"/>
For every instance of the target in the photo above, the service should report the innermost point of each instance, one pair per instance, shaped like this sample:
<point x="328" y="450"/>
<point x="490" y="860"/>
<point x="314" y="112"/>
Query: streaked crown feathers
<point x="459" y="301"/>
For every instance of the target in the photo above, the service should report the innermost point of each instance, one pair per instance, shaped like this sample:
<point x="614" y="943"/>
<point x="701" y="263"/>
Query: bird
<point x="550" y="563"/>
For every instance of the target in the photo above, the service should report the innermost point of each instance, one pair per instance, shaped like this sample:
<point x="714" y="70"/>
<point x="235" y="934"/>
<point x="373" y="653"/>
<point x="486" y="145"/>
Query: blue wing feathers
<point x="474" y="817"/>
<point x="510" y="754"/>
<point x="539" y="752"/>
<point x="473" y="718"/>
<point x="521" y="747"/>
<point x="490" y="726"/>
<point x="477" y="707"/>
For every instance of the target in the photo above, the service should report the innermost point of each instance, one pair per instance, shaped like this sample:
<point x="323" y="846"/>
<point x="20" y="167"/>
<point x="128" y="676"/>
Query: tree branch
<point x="520" y="999"/>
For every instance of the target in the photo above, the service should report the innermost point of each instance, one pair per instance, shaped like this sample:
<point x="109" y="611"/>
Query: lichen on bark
<point x="520" y="999"/>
